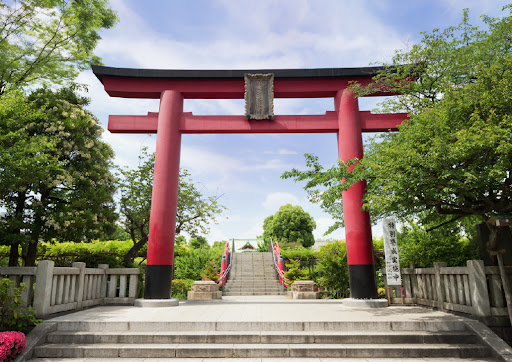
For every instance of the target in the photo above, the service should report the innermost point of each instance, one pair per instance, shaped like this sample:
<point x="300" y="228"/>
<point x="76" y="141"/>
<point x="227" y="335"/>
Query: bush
<point x="180" y="288"/>
<point x="332" y="264"/>
<point x="210" y="272"/>
<point x="14" y="314"/>
<point x="191" y="264"/>
<point x="93" y="260"/>
<point x="295" y="272"/>
<point x="298" y="253"/>
<point x="11" y="345"/>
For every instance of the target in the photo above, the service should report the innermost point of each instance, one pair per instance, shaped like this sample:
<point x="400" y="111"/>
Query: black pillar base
<point x="363" y="284"/>
<point x="158" y="282"/>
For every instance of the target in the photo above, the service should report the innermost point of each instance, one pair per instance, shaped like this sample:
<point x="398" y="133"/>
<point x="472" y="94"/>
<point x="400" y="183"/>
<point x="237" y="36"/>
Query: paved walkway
<point x="315" y="314"/>
<point x="259" y="309"/>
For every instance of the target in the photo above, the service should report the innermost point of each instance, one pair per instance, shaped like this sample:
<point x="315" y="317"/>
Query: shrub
<point x="11" y="344"/>
<point x="295" y="272"/>
<point x="14" y="314"/>
<point x="93" y="260"/>
<point x="332" y="264"/>
<point x="180" y="288"/>
<point x="191" y="264"/>
<point x="211" y="271"/>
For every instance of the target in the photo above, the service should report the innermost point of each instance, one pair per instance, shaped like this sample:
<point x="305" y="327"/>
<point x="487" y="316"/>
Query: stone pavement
<point x="259" y="309"/>
<point x="269" y="313"/>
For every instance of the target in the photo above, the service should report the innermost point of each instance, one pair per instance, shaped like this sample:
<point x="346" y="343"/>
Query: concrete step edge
<point x="262" y="350"/>
<point x="360" y="326"/>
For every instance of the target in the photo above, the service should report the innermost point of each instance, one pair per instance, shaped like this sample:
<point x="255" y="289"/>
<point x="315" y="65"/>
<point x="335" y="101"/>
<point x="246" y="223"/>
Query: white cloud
<point x="275" y="200"/>
<point x="281" y="151"/>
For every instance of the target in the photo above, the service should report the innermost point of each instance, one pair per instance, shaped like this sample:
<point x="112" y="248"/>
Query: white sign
<point x="391" y="252"/>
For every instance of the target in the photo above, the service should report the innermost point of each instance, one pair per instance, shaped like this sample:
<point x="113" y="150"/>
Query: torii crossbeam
<point x="172" y="86"/>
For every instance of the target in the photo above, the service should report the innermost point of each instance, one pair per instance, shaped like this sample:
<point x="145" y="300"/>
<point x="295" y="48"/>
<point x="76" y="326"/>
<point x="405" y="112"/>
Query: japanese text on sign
<point x="391" y="252"/>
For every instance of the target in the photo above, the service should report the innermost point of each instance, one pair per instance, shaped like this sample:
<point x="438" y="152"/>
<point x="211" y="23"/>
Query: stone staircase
<point x="273" y="341"/>
<point x="252" y="274"/>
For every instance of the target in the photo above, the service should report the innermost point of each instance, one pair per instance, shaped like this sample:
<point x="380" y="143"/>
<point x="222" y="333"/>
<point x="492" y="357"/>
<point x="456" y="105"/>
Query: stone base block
<point x="365" y="303"/>
<point x="204" y="290"/>
<point x="157" y="303"/>
<point x="304" y="295"/>
<point x="204" y="295"/>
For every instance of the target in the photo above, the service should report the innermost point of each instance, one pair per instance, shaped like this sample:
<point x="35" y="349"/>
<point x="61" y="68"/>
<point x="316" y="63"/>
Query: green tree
<point x="49" y="41"/>
<point x="290" y="224"/>
<point x="423" y="248"/>
<point x="194" y="210"/>
<point x="198" y="242"/>
<point x="181" y="240"/>
<point x="454" y="155"/>
<point x="68" y="194"/>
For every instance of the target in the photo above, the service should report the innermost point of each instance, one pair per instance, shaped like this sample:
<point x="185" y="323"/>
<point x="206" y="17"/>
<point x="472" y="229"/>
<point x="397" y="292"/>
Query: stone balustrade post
<point x="103" y="280"/>
<point x="439" y="284"/>
<point x="478" y="288"/>
<point x="43" y="289"/>
<point x="80" y="284"/>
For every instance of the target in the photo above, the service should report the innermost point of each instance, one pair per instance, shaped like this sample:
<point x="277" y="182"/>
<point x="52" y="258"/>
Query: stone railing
<point x="60" y="289"/>
<point x="474" y="289"/>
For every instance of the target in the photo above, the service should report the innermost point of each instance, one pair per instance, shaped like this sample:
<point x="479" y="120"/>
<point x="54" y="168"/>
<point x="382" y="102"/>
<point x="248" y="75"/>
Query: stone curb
<point x="499" y="348"/>
<point x="157" y="303"/>
<point x="36" y="337"/>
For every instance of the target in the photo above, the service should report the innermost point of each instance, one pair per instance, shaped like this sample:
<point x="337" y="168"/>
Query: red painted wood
<point x="164" y="199"/>
<point x="226" y="88"/>
<point x="358" y="232"/>
<point x="326" y="123"/>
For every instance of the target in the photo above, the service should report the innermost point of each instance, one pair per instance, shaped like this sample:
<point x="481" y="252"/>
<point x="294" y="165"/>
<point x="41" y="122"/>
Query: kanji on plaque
<point x="393" y="276"/>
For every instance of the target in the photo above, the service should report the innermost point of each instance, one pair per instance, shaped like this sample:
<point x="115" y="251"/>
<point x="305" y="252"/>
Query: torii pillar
<point x="162" y="223"/>
<point x="172" y="86"/>
<point x="358" y="230"/>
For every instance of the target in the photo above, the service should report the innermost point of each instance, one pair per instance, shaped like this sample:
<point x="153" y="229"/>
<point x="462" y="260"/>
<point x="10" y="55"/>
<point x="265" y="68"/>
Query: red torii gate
<point x="172" y="86"/>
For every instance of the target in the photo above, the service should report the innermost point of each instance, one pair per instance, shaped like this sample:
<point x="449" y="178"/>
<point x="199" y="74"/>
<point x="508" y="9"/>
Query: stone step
<point x="289" y="326"/>
<point x="179" y="350"/>
<point x="259" y="280"/>
<point x="241" y="284"/>
<point x="253" y="289"/>
<point x="234" y="294"/>
<point x="266" y="337"/>
<point x="284" y="359"/>
<point x="253" y="276"/>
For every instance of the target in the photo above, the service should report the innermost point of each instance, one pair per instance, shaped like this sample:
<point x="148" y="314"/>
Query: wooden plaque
<point x="259" y="96"/>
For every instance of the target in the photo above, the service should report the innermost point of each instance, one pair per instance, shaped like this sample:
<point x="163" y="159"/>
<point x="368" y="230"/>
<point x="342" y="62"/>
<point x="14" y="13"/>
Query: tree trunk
<point x="132" y="253"/>
<point x="31" y="255"/>
<point x="14" y="253"/>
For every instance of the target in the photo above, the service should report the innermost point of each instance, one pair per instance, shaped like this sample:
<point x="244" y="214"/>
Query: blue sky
<point x="222" y="34"/>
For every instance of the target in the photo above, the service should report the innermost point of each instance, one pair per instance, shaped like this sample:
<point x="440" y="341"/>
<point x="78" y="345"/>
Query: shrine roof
<point x="101" y="71"/>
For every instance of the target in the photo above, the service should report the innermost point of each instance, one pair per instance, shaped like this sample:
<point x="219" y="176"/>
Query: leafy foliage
<point x="194" y="210"/>
<point x="191" y="265"/>
<point x="180" y="288"/>
<point x="422" y="249"/>
<point x="290" y="224"/>
<point x="332" y="264"/>
<point x="14" y="313"/>
<point x="298" y="253"/>
<point x="62" y="190"/>
<point x="295" y="272"/>
<point x="198" y="242"/>
<point x="210" y="272"/>
<point x="454" y="155"/>
<point x="49" y="41"/>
